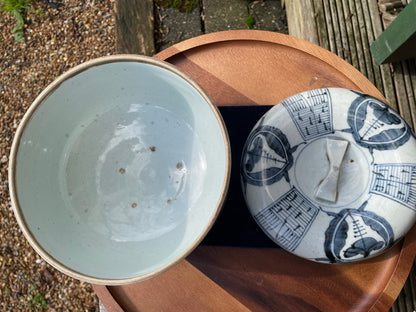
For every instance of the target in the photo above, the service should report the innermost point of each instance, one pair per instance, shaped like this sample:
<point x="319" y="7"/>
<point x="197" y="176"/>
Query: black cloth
<point x="235" y="226"/>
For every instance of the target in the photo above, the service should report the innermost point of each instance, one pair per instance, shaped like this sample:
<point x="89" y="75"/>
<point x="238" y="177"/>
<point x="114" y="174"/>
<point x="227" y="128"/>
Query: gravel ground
<point x="69" y="32"/>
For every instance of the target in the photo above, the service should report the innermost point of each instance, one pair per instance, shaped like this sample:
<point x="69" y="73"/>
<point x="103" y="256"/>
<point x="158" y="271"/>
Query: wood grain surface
<point x="262" y="68"/>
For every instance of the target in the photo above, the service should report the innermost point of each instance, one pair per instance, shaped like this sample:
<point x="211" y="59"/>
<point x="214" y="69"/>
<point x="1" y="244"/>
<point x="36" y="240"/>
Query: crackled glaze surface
<point x="329" y="175"/>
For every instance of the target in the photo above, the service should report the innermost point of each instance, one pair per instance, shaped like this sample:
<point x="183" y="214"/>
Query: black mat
<point x="235" y="226"/>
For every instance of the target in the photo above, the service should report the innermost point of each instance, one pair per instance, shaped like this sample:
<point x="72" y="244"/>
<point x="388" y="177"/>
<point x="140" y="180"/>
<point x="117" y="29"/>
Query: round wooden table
<point x="240" y="68"/>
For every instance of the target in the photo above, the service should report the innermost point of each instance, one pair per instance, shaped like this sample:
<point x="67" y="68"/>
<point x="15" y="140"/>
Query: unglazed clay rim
<point x="26" y="120"/>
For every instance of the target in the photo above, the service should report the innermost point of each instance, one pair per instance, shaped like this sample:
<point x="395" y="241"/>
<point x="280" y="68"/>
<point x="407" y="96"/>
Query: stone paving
<point x="173" y="26"/>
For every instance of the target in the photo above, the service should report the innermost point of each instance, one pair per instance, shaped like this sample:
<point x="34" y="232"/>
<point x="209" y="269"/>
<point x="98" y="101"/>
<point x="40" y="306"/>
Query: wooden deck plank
<point x="370" y="35"/>
<point x="412" y="282"/>
<point x="364" y="41"/>
<point x="336" y="29"/>
<point x="407" y="72"/>
<point x="330" y="28"/>
<point x="305" y="27"/>
<point x="386" y="76"/>
<point x="351" y="39"/>
<point x="134" y="26"/>
<point x="343" y="31"/>
<point x="356" y="31"/>
<point x="322" y="30"/>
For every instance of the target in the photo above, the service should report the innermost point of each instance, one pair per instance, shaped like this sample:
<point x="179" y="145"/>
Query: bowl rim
<point x="104" y="60"/>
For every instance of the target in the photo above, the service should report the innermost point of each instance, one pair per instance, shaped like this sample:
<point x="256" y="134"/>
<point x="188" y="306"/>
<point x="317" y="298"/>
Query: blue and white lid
<point x="330" y="175"/>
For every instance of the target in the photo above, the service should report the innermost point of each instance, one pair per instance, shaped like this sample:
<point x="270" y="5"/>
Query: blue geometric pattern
<point x="376" y="126"/>
<point x="288" y="218"/>
<point x="396" y="182"/>
<point x="312" y="115"/>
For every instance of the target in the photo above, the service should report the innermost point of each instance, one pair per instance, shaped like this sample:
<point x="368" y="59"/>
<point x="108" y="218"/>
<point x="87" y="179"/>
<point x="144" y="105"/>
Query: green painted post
<point x="398" y="41"/>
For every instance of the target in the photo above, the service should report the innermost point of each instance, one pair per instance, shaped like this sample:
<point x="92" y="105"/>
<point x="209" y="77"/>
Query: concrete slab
<point x="177" y="26"/>
<point x="269" y="15"/>
<point x="222" y="15"/>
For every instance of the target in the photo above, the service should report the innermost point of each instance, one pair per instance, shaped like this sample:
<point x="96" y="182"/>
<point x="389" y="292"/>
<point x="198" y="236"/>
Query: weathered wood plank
<point x="336" y="29"/>
<point x="409" y="92"/>
<point x="350" y="34"/>
<point x="357" y="35"/>
<point x="407" y="294"/>
<point x="370" y="35"/>
<point x="412" y="72"/>
<point x="134" y="26"/>
<point x="364" y="41"/>
<point x="412" y="281"/>
<point x="343" y="31"/>
<point x="402" y="100"/>
<point x="330" y="28"/>
<point x="321" y="24"/>
<point x="388" y="85"/>
<point x="301" y="21"/>
<point x="386" y="75"/>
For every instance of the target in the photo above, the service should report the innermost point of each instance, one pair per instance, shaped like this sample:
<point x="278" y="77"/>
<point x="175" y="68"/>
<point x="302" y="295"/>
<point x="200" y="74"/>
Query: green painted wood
<point x="398" y="41"/>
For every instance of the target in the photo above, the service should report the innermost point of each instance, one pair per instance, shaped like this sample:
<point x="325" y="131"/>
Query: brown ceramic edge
<point x="26" y="119"/>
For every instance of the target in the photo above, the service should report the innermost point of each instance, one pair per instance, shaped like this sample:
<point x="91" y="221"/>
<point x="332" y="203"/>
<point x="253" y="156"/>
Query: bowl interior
<point x="120" y="170"/>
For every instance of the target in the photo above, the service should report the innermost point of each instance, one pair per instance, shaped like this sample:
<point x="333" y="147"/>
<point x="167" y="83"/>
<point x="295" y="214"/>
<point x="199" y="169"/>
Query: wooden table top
<point x="247" y="67"/>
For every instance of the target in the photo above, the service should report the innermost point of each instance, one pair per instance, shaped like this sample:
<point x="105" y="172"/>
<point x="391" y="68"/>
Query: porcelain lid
<point x="329" y="175"/>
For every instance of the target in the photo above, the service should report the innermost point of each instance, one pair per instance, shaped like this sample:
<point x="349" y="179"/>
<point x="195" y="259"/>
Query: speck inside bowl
<point x="119" y="169"/>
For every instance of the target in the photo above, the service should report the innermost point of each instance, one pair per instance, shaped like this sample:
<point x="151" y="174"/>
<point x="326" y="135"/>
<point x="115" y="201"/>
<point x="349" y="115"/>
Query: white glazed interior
<point x="120" y="170"/>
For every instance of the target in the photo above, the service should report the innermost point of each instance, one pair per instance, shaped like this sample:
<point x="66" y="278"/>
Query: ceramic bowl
<point x="119" y="169"/>
<point x="329" y="175"/>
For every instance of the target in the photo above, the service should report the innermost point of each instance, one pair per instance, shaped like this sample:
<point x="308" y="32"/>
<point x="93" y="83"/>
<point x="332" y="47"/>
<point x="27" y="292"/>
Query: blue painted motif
<point x="356" y="234"/>
<point x="288" y="219"/>
<point x="267" y="156"/>
<point x="375" y="126"/>
<point x="396" y="182"/>
<point x="312" y="114"/>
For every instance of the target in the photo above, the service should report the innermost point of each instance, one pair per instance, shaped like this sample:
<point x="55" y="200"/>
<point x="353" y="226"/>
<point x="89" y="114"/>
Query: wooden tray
<point x="262" y="68"/>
